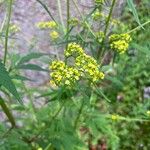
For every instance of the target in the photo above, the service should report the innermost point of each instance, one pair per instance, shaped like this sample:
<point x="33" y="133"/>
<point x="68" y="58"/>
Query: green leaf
<point x="115" y="81"/>
<point x="31" y="67"/>
<point x="19" y="77"/>
<point x="100" y="92"/>
<point x="133" y="9"/>
<point x="143" y="49"/>
<point x="5" y="80"/>
<point x="17" y="107"/>
<point x="30" y="56"/>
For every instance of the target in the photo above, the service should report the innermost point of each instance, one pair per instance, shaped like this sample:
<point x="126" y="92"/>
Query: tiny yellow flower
<point x="73" y="21"/>
<point x="115" y="117"/>
<point x="100" y="36"/>
<point x="54" y="35"/>
<point x="148" y="112"/>
<point x="67" y="82"/>
<point x="46" y="24"/>
<point x="14" y="28"/>
<point x="99" y="1"/>
<point x="40" y="148"/>
<point x="101" y="75"/>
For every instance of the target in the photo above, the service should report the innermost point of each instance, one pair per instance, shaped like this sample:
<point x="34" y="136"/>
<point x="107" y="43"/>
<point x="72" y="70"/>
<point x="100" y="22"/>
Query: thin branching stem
<point x="100" y="51"/>
<point x="7" y="112"/>
<point x="79" y="114"/>
<point x="60" y="15"/>
<point x="68" y="14"/>
<point x="138" y="27"/>
<point x="68" y="18"/>
<point x="83" y="19"/>
<point x="49" y="124"/>
<point x="7" y="29"/>
<point x="47" y="10"/>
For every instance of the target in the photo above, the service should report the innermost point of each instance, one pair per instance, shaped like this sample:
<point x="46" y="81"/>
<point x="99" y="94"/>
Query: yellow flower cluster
<point x="119" y="42"/>
<point x="99" y="1"/>
<point x="54" y="35"/>
<point x="84" y="66"/>
<point x="73" y="22"/>
<point x="115" y="22"/>
<point x="88" y="67"/>
<point x="97" y="15"/>
<point x="73" y="49"/>
<point x="100" y="36"/>
<point x="46" y="24"/>
<point x="49" y="25"/>
<point x="148" y="112"/>
<point x="115" y="117"/>
<point x="63" y="75"/>
<point x="14" y="28"/>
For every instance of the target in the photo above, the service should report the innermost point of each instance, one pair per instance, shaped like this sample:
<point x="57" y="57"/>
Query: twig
<point x="7" y="30"/>
<point x="47" y="10"/>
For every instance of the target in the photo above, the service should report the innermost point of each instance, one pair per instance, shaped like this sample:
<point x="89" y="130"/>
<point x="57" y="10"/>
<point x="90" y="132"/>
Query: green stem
<point x="68" y="14"/>
<point x="7" y="29"/>
<point x="60" y="15"/>
<point x="138" y="27"/>
<point x="33" y="109"/>
<point x="79" y="114"/>
<point x="100" y="52"/>
<point x="84" y="20"/>
<point x="47" y="10"/>
<point x="68" y="17"/>
<point x="109" y="17"/>
<point x="7" y="112"/>
<point x="48" y="125"/>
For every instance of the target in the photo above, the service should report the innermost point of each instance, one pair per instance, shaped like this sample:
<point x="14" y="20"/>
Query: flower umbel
<point x="88" y="67"/>
<point x="97" y="15"/>
<point x="73" y="22"/>
<point x="73" y="49"/>
<point x="115" y="117"/>
<point x="54" y="35"/>
<point x="14" y="28"/>
<point x="46" y="24"/>
<point x="120" y="42"/>
<point x="84" y="66"/>
<point x="148" y="112"/>
<point x="62" y="74"/>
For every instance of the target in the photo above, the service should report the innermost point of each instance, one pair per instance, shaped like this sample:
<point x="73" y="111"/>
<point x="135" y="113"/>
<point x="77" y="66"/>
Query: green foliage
<point x="133" y="9"/>
<point x="5" y="80"/>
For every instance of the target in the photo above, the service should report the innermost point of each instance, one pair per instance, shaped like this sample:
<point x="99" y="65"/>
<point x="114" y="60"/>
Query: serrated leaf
<point x="133" y="9"/>
<point x="29" y="57"/>
<point x="5" y="80"/>
<point x="31" y="67"/>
